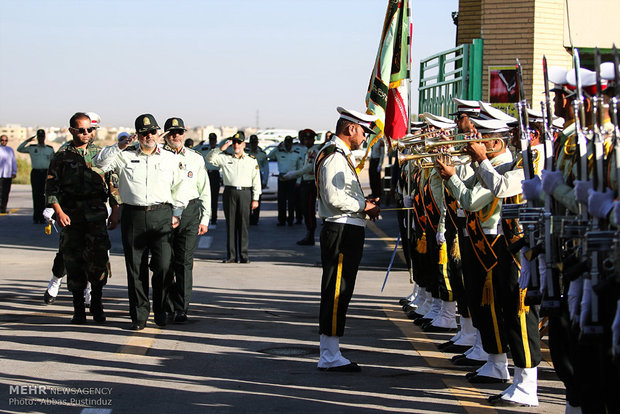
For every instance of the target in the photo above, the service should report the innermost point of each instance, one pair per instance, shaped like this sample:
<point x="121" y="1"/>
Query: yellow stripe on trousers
<point x="337" y="295"/>
<point x="526" y="344"/>
<point x="496" y="329"/>
<point x="444" y="270"/>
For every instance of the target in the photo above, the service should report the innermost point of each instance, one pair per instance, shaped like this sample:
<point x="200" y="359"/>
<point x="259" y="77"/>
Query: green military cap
<point x="239" y="136"/>
<point x="174" y="123"/>
<point x="145" y="122"/>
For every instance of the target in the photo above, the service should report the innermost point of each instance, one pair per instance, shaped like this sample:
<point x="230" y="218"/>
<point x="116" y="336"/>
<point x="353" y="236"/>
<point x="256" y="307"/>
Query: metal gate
<point x="454" y="73"/>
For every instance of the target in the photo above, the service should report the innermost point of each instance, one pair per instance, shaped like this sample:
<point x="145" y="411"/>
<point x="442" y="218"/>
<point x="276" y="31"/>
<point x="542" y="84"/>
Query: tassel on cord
<point x="443" y="254"/>
<point x="455" y="251"/>
<point x="421" y="246"/>
<point x="522" y="307"/>
<point x="487" y="290"/>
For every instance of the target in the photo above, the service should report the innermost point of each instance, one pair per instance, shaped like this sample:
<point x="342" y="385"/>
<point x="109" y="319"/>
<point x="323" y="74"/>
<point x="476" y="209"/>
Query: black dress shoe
<point x="438" y="329"/>
<point x="160" y="319"/>
<point x="98" y="315"/>
<point x="403" y="301"/>
<point x="471" y="374"/>
<point x="413" y="315"/>
<point x="421" y="321"/>
<point x="352" y="367"/>
<point x="498" y="401"/>
<point x="229" y="261"/>
<point x="455" y="349"/>
<point x="47" y="298"/>
<point x="137" y="326"/>
<point x="180" y="317"/>
<point x="445" y="345"/>
<point x="244" y="260"/>
<point x="483" y="379"/>
<point x="306" y="242"/>
<point x="78" y="319"/>
<point x="408" y="308"/>
<point x="467" y="362"/>
<point x="459" y="356"/>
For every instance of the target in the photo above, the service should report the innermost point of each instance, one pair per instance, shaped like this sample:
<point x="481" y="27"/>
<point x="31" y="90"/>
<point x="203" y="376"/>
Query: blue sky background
<point x="209" y="62"/>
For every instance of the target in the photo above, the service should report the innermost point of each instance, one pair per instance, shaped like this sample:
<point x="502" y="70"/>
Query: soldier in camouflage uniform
<point x="77" y="192"/>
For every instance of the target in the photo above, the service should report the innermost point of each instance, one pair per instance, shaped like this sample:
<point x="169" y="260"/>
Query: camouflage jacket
<point x="78" y="186"/>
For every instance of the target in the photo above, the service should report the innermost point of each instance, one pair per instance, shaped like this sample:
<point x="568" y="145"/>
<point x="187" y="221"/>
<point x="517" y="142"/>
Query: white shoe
<point x="330" y="355"/>
<point x="54" y="286"/>
<point x="420" y="298"/>
<point x="468" y="333"/>
<point x="434" y="310"/>
<point x="426" y="303"/>
<point x="446" y="317"/>
<point x="495" y="367"/>
<point x="524" y="387"/>
<point x="477" y="352"/>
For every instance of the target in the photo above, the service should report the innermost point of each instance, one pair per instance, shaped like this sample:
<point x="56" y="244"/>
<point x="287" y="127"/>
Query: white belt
<point x="348" y="220"/>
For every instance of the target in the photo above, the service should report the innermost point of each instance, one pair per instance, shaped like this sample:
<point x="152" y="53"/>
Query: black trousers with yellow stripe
<point x="502" y="319"/>
<point x="341" y="253"/>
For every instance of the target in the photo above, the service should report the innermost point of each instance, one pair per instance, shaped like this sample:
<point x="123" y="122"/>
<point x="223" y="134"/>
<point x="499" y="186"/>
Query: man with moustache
<point x="196" y="195"/>
<point x="149" y="184"/>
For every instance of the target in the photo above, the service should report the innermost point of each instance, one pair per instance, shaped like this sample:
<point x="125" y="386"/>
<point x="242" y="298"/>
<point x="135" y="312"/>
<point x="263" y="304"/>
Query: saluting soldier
<point x="289" y="159"/>
<point x="307" y="191"/>
<point x="263" y="165"/>
<point x="343" y="206"/>
<point x="77" y="192"/>
<point x="40" y="158"/>
<point x="196" y="196"/>
<point x="149" y="182"/>
<point x="242" y="190"/>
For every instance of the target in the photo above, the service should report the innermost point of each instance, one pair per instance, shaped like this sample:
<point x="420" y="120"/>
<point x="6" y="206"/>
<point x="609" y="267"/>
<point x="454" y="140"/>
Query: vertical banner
<point x="388" y="94"/>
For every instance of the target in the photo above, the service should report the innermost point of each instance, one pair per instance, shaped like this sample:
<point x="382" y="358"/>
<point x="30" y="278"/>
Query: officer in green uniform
<point x="40" y="157"/>
<point x="149" y="182"/>
<point x="196" y="194"/>
<point x="344" y="208"/>
<point x="215" y="180"/>
<point x="263" y="165"/>
<point x="77" y="192"/>
<point x="242" y="189"/>
<point x="289" y="159"/>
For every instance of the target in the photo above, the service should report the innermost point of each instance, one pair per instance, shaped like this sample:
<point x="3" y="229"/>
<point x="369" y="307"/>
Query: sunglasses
<point x="237" y="141"/>
<point x="176" y="131"/>
<point x="84" y="130"/>
<point x="147" y="133"/>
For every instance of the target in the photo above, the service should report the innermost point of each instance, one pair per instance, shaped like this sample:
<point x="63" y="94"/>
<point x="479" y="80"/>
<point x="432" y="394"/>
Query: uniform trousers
<point x="255" y="214"/>
<point x="214" y="182"/>
<point x="374" y="177"/>
<point x="84" y="246"/>
<point x="37" y="181"/>
<point x="341" y="253"/>
<point x="563" y="350"/>
<point x="500" y="322"/>
<point x="143" y="232"/>
<point x="5" y="189"/>
<point x="237" y="213"/>
<point x="402" y="227"/>
<point x="308" y="202"/>
<point x="184" y="241"/>
<point x="286" y="201"/>
<point x="455" y="267"/>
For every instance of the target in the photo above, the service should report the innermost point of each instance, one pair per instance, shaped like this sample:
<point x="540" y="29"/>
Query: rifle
<point x="529" y="217"/>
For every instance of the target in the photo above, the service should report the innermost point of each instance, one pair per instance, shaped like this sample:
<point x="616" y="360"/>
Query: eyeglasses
<point x="147" y="133"/>
<point x="84" y="130"/>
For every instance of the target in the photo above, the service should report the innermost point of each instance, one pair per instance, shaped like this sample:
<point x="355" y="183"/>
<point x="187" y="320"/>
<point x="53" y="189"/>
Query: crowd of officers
<point x="169" y="195"/>
<point x="470" y="256"/>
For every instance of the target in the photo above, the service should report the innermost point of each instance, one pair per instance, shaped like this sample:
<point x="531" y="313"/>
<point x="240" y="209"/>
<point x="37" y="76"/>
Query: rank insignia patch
<point x="146" y="121"/>
<point x="190" y="174"/>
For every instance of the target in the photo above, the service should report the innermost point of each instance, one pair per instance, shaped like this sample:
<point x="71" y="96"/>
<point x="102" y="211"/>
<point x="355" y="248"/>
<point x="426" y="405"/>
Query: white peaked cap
<point x="363" y="120"/>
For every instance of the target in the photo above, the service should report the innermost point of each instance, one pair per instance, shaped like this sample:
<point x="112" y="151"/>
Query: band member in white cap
<point x="343" y="206"/>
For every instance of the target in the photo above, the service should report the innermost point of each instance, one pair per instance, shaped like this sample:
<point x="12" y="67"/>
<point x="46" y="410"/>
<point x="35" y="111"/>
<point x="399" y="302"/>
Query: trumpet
<point x="441" y="149"/>
<point x="417" y="142"/>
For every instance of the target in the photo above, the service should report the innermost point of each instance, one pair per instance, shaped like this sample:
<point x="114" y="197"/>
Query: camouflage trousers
<point x="84" y="246"/>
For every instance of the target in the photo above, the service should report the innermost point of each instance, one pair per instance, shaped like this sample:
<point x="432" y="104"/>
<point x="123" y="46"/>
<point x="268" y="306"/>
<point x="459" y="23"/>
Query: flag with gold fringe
<point x="388" y="91"/>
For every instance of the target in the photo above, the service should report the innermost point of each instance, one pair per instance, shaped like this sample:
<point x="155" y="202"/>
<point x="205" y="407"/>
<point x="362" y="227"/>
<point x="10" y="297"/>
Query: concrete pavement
<point x="251" y="344"/>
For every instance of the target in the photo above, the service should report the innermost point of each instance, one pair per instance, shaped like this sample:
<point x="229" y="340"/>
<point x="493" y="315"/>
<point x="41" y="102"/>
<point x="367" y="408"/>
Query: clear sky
<point x="208" y="61"/>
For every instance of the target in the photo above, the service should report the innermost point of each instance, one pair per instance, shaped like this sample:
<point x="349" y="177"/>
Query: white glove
<point x="586" y="303"/>
<point x="289" y="175"/>
<point x="574" y="296"/>
<point x="600" y="204"/>
<point x="408" y="201"/>
<point x="48" y="213"/>
<point x="441" y="238"/>
<point x="532" y="188"/>
<point x="550" y="180"/>
<point x="581" y="190"/>
<point x="615" y="333"/>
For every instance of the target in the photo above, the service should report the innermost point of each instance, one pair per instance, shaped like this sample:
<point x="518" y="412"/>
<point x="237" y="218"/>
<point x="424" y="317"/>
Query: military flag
<point x="388" y="91"/>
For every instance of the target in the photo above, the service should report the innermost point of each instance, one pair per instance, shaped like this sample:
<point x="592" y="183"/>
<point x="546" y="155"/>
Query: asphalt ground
<point x="251" y="344"/>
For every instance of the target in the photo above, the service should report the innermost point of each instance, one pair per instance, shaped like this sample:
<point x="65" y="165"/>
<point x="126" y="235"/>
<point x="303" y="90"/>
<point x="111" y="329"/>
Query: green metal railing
<point x="453" y="73"/>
